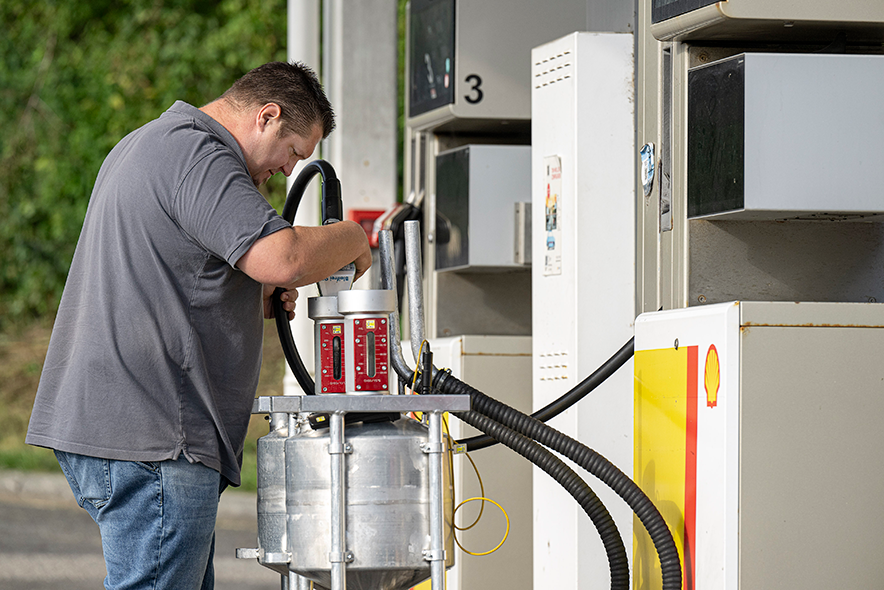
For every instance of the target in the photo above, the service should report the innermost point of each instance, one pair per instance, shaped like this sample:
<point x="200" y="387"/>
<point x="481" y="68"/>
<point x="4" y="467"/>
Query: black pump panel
<point x="665" y="9"/>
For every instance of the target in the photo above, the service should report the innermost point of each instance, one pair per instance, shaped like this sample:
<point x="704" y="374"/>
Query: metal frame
<point x="340" y="404"/>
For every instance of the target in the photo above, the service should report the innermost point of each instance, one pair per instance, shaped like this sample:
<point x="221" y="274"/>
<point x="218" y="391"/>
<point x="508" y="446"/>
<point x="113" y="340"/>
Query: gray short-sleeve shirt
<point x="156" y="347"/>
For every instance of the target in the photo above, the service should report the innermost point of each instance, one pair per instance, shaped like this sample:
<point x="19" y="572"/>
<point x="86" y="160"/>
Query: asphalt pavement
<point x="48" y="542"/>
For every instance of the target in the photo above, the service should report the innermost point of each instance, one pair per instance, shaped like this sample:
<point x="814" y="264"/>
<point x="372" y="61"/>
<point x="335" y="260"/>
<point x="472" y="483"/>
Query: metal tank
<point x="272" y="540"/>
<point x="387" y="505"/>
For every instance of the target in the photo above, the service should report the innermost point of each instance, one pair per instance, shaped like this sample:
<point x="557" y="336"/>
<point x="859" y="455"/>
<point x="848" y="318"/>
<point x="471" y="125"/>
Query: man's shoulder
<point x="187" y="124"/>
<point x="174" y="136"/>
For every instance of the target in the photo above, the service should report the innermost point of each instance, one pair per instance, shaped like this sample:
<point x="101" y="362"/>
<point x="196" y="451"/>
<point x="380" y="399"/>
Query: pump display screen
<point x="431" y="54"/>
<point x="453" y="209"/>
<point x="664" y="9"/>
<point x="716" y="137"/>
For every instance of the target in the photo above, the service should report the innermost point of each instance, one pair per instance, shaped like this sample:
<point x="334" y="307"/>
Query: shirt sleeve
<point x="219" y="208"/>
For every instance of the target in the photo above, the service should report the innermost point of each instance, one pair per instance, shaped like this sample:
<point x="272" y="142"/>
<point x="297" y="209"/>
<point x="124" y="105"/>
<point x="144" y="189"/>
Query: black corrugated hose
<point x="670" y="564"/>
<point x="571" y="397"/>
<point x="568" y="479"/>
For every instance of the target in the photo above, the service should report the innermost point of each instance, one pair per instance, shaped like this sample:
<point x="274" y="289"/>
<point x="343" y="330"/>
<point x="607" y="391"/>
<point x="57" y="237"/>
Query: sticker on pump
<point x="552" y="261"/>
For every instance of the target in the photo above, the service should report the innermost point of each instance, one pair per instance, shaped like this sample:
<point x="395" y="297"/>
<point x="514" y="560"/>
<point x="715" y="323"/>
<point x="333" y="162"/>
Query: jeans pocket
<point x="88" y="477"/>
<point x="152" y="466"/>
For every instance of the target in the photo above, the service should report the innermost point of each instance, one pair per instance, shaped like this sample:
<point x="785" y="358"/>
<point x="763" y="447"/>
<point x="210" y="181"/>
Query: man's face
<point x="271" y="152"/>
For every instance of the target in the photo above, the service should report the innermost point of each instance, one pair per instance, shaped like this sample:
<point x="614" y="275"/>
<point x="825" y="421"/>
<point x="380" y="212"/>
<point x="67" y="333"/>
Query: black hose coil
<point x="588" y="459"/>
<point x="572" y="482"/>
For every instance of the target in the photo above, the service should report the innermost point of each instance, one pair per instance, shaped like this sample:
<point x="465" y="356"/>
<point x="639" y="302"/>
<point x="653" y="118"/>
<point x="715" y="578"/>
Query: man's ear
<point x="269" y="112"/>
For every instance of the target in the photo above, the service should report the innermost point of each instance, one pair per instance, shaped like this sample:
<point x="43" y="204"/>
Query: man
<point x="153" y="364"/>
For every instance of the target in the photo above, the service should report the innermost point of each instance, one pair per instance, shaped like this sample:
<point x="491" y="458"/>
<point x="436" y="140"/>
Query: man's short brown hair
<point x="292" y="86"/>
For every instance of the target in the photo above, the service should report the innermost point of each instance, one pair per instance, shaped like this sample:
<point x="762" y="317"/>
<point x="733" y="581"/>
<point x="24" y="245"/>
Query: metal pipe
<point x="293" y="581"/>
<point x="435" y="438"/>
<point x="414" y="278"/>
<point x="278" y="421"/>
<point x="337" y="555"/>
<point x="388" y="281"/>
<point x="437" y="533"/>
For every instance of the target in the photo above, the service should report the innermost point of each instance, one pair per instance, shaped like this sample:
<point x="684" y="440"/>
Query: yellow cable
<point x="505" y="535"/>
<point x="417" y="364"/>
<point x="481" y="497"/>
<point x="451" y="476"/>
<point x="481" y="492"/>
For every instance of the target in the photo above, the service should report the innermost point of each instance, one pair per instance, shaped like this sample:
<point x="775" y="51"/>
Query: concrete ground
<point x="48" y="542"/>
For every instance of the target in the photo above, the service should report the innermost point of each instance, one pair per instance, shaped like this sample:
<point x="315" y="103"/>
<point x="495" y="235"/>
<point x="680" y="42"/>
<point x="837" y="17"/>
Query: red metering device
<point x="352" y="335"/>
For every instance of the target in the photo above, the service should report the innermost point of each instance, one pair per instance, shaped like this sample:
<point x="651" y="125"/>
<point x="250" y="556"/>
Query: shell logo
<point x="712" y="376"/>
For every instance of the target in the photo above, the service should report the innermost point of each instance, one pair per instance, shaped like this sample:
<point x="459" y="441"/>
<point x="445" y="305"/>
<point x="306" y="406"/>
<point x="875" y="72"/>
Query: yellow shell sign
<point x="712" y="376"/>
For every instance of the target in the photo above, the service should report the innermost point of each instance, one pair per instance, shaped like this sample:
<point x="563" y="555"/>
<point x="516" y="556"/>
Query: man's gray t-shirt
<point x="157" y="344"/>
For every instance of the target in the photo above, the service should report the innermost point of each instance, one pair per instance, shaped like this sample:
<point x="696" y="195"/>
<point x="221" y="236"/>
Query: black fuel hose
<point x="332" y="210"/>
<point x="571" y="397"/>
<point x="568" y="479"/>
<point x="586" y="458"/>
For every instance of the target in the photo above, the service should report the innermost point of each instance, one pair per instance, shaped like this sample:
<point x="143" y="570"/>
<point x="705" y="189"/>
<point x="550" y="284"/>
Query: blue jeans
<point x="157" y="519"/>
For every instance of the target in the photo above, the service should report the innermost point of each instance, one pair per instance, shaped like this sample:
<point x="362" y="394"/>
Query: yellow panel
<point x="661" y="415"/>
<point x="427" y="584"/>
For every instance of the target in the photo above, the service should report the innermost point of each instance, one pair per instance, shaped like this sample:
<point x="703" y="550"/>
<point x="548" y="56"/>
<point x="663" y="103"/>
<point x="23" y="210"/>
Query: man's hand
<point x="363" y="263"/>
<point x="288" y="298"/>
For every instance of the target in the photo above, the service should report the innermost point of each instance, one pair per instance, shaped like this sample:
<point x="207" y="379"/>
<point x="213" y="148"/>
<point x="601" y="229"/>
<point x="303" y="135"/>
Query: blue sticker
<point x="647" y="157"/>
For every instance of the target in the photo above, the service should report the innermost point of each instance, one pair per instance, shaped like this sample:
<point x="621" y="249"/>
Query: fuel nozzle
<point x="339" y="281"/>
<point x="332" y="212"/>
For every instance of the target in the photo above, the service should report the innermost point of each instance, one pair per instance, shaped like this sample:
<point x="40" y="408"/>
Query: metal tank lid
<point x="366" y="301"/>
<point x="323" y="308"/>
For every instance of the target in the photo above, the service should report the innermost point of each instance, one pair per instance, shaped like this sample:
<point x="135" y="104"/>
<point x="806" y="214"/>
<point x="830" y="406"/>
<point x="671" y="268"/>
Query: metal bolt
<point x="676" y="344"/>
<point x="702" y="57"/>
<point x="701" y="299"/>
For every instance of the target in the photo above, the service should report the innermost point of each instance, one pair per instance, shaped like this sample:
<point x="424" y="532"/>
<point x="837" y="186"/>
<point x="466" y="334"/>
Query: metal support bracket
<point x="432" y="447"/>
<point x="430" y="555"/>
<point x="346" y="557"/>
<point x="340" y="449"/>
<point x="248" y="553"/>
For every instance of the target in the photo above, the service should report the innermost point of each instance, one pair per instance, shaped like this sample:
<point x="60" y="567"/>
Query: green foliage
<point x="75" y="77"/>
<point x="26" y="458"/>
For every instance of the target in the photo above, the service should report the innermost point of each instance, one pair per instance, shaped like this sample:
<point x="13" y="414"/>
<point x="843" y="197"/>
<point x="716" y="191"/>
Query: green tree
<point x="75" y="77"/>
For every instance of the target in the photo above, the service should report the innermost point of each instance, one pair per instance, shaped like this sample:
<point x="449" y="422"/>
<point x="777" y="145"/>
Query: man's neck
<point x="226" y="116"/>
